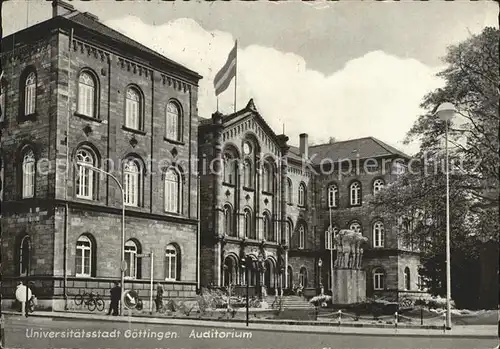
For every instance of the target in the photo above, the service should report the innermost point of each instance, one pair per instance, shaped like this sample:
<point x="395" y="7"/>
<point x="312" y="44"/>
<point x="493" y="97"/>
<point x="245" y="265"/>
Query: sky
<point x="344" y="69"/>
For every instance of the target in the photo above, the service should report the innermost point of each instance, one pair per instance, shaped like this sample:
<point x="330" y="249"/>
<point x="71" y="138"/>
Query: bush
<point x="320" y="300"/>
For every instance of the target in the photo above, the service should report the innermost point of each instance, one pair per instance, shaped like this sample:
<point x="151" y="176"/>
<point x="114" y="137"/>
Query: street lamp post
<point x="320" y="264"/>
<point x="245" y="270"/>
<point x="123" y="263"/>
<point x="445" y="112"/>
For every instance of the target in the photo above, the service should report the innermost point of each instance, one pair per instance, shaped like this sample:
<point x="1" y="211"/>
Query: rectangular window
<point x="82" y="266"/>
<point x="132" y="114"/>
<point x="86" y="100"/>
<point x="378" y="281"/>
<point x="172" y="127"/>
<point x="29" y="179"/>
<point x="30" y="97"/>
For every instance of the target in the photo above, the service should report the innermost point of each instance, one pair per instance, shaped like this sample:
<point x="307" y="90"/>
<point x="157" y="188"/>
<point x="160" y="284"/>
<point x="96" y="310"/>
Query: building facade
<point x="76" y="95"/>
<point x="281" y="206"/>
<point x="214" y="201"/>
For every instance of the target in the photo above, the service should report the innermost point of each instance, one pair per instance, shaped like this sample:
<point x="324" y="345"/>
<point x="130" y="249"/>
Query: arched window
<point x="302" y="194"/>
<point x="228" y="221"/>
<point x="133" y="109"/>
<point x="407" y="279"/>
<point x="30" y="94"/>
<point x="378" y="184"/>
<point x="131" y="182"/>
<point x="249" y="231"/>
<point x="85" y="175"/>
<point x="24" y="255"/>
<point x="230" y="166"/>
<point x="290" y="190"/>
<point x="330" y="235"/>
<point x="268" y="228"/>
<point x="28" y="173"/>
<point x="247" y="173"/>
<point x="356" y="227"/>
<point x="173" y="122"/>
<point x="332" y="196"/>
<point x="378" y="234"/>
<point x="267" y="181"/>
<point x="171" y="263"/>
<point x="289" y="230"/>
<point x="355" y="191"/>
<point x="378" y="279"/>
<point x="302" y="236"/>
<point x="84" y="251"/>
<point x="173" y="192"/>
<point x="303" y="277"/>
<point x="87" y="95"/>
<point x="131" y="250"/>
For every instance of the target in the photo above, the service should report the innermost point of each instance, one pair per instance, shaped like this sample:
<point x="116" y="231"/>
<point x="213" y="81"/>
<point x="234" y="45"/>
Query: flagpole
<point x="235" y="74"/>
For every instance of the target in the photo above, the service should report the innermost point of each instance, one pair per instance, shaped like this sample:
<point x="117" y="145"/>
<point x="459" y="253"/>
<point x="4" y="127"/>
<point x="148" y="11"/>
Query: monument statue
<point x="349" y="251"/>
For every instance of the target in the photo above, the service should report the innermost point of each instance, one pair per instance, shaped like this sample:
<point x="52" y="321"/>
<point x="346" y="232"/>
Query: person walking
<point x="116" y="293"/>
<point x="159" y="297"/>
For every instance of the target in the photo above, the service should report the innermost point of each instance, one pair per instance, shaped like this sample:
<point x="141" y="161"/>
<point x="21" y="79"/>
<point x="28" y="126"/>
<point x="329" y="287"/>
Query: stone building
<point x="76" y="91"/>
<point x="281" y="207"/>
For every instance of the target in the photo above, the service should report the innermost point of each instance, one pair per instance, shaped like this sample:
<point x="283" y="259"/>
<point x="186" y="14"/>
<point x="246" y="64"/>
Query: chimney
<point x="303" y="145"/>
<point x="61" y="8"/>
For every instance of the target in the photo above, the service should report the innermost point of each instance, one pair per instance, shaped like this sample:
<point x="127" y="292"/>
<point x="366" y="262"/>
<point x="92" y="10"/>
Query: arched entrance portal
<point x="303" y="277"/>
<point x="289" y="273"/>
<point x="270" y="274"/>
<point x="230" y="270"/>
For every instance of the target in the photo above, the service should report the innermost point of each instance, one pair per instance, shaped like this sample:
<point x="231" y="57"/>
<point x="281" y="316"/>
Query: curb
<point x="168" y="321"/>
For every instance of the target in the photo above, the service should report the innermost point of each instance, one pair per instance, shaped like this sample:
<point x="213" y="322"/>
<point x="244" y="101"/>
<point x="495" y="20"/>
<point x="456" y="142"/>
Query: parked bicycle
<point x="91" y="300"/>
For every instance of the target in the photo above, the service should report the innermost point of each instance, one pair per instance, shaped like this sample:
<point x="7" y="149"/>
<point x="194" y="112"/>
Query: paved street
<point x="43" y="333"/>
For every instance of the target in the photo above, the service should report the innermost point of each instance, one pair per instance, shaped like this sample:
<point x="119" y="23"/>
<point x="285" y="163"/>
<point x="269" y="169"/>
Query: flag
<point x="227" y="73"/>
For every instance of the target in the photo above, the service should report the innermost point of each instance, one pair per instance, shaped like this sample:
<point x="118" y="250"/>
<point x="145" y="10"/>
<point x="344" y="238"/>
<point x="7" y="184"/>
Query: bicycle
<point x="91" y="300"/>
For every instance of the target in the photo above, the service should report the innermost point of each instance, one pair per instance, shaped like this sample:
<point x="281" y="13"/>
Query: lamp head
<point x="320" y="262"/>
<point x="445" y="111"/>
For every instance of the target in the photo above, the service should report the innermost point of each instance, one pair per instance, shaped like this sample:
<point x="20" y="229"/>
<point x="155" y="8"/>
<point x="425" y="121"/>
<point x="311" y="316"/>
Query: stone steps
<point x="291" y="302"/>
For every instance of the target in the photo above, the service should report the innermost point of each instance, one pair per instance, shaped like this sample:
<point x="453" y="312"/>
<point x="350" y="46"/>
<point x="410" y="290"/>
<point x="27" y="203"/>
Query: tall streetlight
<point x="123" y="262"/>
<point x="445" y="112"/>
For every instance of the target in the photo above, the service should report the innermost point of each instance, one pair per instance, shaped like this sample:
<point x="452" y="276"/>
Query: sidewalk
<point x="471" y="331"/>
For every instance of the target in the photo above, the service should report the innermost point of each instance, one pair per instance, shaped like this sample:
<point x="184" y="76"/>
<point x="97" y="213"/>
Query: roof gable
<point x="361" y="148"/>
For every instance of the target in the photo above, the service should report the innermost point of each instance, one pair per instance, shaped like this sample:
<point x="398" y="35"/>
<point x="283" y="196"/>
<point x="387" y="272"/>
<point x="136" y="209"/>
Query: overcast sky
<point x="346" y="69"/>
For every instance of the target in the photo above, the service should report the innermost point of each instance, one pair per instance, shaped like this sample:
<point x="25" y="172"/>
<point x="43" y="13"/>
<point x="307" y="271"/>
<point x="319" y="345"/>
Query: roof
<point x="91" y="22"/>
<point x="361" y="148"/>
<point x="108" y="37"/>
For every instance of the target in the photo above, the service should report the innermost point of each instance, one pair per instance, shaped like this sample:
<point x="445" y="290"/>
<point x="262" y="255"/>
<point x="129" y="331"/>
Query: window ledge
<point x="173" y="141"/>
<point x="302" y="207"/>
<point x="227" y="184"/>
<point x="265" y="192"/>
<point x="170" y="213"/>
<point x="248" y="189"/>
<point x="125" y="128"/>
<point x="29" y="117"/>
<point x="356" y="205"/>
<point x="289" y="203"/>
<point x="89" y="118"/>
<point x="83" y="276"/>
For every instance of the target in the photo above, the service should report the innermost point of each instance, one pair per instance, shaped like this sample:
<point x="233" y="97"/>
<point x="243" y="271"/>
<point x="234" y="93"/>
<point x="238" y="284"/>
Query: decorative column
<point x="283" y="168"/>
<point x="217" y="180"/>
<point x="257" y="196"/>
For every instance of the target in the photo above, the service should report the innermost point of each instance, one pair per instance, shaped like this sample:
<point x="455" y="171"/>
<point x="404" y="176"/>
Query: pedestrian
<point x="116" y="293"/>
<point x="159" y="297"/>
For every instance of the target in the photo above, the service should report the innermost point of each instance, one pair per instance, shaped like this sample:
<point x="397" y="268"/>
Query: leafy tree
<point x="415" y="202"/>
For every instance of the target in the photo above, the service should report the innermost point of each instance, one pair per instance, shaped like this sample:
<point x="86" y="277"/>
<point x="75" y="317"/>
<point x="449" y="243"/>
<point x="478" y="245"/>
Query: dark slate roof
<point x="91" y="22"/>
<point x="362" y="148"/>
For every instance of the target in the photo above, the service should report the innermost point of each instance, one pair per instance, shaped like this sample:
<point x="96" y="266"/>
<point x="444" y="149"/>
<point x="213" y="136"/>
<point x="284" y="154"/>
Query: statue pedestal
<point x="349" y="286"/>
